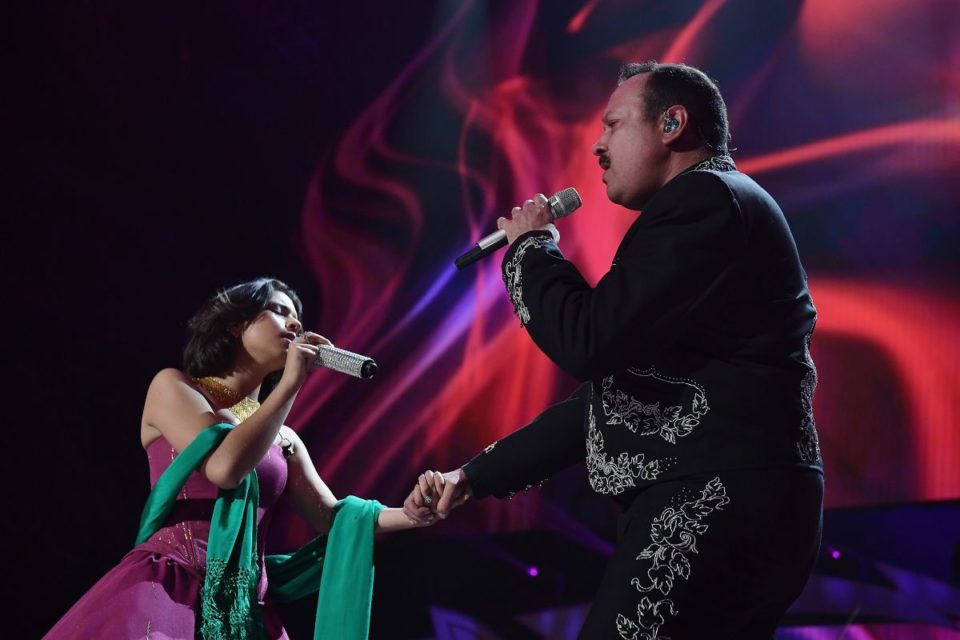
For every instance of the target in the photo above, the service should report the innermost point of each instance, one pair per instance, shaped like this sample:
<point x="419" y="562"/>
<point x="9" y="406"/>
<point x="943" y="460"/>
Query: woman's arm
<point x="314" y="500"/>
<point x="309" y="493"/>
<point x="176" y="409"/>
<point x="394" y="519"/>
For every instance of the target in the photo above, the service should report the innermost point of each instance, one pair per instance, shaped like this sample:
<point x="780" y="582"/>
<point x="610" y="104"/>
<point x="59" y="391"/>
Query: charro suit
<point x="696" y="412"/>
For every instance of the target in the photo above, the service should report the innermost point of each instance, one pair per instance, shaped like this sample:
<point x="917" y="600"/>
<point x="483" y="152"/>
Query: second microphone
<point x="344" y="361"/>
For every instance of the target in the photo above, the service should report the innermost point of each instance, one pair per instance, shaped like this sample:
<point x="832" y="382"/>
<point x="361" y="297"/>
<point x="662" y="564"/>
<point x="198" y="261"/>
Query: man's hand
<point x="454" y="491"/>
<point x="534" y="214"/>
<point x="436" y="493"/>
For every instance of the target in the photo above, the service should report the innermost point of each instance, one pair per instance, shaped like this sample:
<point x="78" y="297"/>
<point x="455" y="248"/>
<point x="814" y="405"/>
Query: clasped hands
<point x="435" y="495"/>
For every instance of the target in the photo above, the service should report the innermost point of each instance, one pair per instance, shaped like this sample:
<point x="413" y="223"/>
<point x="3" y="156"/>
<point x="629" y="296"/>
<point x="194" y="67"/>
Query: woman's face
<point x="267" y="336"/>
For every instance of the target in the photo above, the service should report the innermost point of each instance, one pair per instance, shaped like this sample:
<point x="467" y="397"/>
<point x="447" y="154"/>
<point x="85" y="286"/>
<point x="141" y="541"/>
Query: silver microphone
<point x="348" y="362"/>
<point x="561" y="204"/>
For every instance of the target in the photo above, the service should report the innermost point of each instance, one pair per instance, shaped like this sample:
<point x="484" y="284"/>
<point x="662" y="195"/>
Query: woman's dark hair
<point x="670" y="84"/>
<point x="211" y="347"/>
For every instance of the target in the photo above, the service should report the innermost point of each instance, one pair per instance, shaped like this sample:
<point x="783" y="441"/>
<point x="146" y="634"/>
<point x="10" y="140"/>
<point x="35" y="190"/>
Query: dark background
<point x="159" y="151"/>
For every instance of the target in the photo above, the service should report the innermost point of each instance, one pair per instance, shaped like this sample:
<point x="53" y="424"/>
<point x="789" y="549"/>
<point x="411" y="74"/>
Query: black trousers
<point x="722" y="555"/>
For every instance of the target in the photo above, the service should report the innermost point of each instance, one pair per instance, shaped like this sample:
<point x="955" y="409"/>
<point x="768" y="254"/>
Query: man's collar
<point x="715" y="163"/>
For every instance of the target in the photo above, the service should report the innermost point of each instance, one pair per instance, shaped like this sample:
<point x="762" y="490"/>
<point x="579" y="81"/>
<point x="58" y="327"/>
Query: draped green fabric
<point x="161" y="498"/>
<point x="228" y="608"/>
<point x="346" y="591"/>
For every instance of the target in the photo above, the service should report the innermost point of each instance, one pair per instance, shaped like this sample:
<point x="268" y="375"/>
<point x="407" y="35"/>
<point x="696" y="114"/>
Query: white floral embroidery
<point x="668" y="422"/>
<point x="513" y="275"/>
<point x="614" y="475"/>
<point x="808" y="445"/>
<point x="672" y="536"/>
<point x="648" y="616"/>
<point x="716" y="163"/>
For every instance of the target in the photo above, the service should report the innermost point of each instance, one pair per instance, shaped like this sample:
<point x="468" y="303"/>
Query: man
<point x="696" y="414"/>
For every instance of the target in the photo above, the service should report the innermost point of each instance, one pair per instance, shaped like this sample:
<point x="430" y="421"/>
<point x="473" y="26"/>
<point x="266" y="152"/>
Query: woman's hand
<point x="301" y="358"/>
<point x="419" y="505"/>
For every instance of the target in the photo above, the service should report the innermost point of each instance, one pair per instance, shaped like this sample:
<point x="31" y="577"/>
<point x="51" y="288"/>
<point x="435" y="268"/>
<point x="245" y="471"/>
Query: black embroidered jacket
<point x="695" y="346"/>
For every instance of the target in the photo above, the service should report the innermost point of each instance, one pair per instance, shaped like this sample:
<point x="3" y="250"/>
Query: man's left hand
<point x="534" y="214"/>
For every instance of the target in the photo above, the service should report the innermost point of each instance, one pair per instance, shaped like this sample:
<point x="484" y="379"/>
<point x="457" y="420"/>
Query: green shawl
<point x="228" y="608"/>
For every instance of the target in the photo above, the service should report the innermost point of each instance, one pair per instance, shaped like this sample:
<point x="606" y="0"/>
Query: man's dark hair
<point x="671" y="84"/>
<point x="211" y="347"/>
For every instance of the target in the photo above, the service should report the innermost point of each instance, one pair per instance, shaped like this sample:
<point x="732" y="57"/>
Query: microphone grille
<point x="565" y="202"/>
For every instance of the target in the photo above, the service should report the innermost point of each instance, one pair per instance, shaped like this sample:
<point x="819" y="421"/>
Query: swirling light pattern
<point x="855" y="131"/>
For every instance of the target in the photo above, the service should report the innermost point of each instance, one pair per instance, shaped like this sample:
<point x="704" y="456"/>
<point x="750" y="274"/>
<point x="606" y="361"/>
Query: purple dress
<point x="154" y="592"/>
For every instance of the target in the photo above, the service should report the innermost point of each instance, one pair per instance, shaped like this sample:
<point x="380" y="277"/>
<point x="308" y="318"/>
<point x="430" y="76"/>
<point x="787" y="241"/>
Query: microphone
<point x="348" y="362"/>
<point x="561" y="204"/>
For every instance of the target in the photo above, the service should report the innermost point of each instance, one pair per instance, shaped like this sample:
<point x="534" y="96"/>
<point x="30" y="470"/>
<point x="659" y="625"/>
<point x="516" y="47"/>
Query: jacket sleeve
<point x="669" y="272"/>
<point x="553" y="441"/>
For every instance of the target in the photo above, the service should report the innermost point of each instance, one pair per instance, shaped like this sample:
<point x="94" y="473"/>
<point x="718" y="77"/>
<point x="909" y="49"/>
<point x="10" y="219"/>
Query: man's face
<point x="631" y="151"/>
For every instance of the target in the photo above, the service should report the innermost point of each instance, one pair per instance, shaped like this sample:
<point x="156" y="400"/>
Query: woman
<point x="195" y="518"/>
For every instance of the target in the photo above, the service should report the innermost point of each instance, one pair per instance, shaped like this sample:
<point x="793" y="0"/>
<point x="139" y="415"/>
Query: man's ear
<point x="679" y="132"/>
<point x="675" y="121"/>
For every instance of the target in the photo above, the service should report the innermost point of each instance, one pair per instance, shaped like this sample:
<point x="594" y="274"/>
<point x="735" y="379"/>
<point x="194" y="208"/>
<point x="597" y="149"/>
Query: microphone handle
<point x="344" y="361"/>
<point x="561" y="204"/>
<point x="483" y="248"/>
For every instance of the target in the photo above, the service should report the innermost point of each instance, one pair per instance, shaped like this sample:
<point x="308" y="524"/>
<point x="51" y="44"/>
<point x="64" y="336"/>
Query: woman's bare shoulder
<point x="174" y="405"/>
